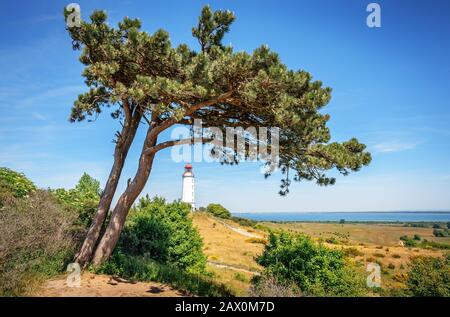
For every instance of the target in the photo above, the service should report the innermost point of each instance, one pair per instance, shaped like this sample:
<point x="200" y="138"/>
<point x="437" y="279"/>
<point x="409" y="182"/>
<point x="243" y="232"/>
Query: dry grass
<point x="223" y="245"/>
<point x="372" y="234"/>
<point x="229" y="277"/>
<point x="365" y="243"/>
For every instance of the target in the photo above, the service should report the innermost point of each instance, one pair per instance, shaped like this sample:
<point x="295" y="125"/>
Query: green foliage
<point x="256" y="240"/>
<point x="37" y="239"/>
<point x="84" y="198"/>
<point x="129" y="69"/>
<point x="412" y="242"/>
<point x="441" y="233"/>
<point x="429" y="276"/>
<point x="417" y="237"/>
<point x="218" y="210"/>
<point x="409" y="242"/>
<point x="316" y="269"/>
<point x="14" y="184"/>
<point x="211" y="28"/>
<point x="145" y="269"/>
<point x="245" y="222"/>
<point x="163" y="232"/>
<point x="240" y="277"/>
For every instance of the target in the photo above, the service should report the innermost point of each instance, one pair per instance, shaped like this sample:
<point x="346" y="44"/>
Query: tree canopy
<point x="218" y="210"/>
<point x="131" y="69"/>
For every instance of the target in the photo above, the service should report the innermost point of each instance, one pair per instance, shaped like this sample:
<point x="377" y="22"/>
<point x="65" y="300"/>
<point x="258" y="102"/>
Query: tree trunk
<point x="120" y="153"/>
<point x="111" y="236"/>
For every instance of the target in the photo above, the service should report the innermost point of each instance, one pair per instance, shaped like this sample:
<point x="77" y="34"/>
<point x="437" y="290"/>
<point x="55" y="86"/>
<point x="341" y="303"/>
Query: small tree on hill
<point x="218" y="210"/>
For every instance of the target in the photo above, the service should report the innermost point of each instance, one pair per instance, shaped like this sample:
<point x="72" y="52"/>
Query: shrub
<point x="352" y="252"/>
<point x="240" y="277"/>
<point x="408" y="241"/>
<point x="164" y="232"/>
<point x="429" y="276"/>
<point x="441" y="233"/>
<point x="245" y="222"/>
<point x="391" y="266"/>
<point x="218" y="210"/>
<point x="37" y="240"/>
<point x="269" y="286"/>
<point x="83" y="199"/>
<point x="417" y="237"/>
<point x="314" y="268"/>
<point x="396" y="256"/>
<point x="256" y="240"/>
<point x="378" y="255"/>
<point x="13" y="185"/>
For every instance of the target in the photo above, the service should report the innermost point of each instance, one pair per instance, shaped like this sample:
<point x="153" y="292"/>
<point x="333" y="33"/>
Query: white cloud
<point x="387" y="147"/>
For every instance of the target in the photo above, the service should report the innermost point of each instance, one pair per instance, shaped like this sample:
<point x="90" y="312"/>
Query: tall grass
<point x="141" y="268"/>
<point x="37" y="240"/>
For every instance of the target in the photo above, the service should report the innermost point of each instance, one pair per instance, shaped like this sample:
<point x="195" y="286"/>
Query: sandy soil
<point x="105" y="286"/>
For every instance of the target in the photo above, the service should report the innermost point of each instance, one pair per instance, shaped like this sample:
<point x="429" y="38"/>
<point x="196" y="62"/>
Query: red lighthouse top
<point x="188" y="170"/>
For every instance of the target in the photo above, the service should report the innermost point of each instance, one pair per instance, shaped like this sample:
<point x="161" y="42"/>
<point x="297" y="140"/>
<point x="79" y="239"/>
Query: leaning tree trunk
<point x="111" y="236"/>
<point x="120" y="153"/>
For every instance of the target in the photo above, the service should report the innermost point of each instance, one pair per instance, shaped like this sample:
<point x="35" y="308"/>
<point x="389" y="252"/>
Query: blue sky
<point x="390" y="89"/>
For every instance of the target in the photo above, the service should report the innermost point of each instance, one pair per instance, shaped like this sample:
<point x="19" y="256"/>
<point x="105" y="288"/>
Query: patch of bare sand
<point x="94" y="285"/>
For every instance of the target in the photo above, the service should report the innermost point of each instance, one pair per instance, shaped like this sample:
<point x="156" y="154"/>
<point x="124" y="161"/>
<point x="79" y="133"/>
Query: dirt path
<point x="232" y="267"/>
<point x="93" y="285"/>
<point x="238" y="230"/>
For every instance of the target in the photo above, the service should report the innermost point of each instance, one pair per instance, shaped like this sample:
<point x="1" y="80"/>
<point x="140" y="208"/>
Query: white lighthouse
<point x="188" y="193"/>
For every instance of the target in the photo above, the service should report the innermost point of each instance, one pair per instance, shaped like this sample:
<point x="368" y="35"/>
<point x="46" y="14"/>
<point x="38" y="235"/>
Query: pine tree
<point x="144" y="77"/>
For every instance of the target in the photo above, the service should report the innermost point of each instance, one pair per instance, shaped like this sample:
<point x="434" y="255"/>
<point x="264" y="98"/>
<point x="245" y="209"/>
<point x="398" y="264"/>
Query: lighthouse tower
<point x="187" y="194"/>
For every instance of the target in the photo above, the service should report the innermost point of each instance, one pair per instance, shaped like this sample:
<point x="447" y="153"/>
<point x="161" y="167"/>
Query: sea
<point x="399" y="216"/>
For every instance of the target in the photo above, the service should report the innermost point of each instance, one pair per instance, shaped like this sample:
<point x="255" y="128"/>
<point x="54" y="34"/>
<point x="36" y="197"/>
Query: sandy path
<point x="93" y="285"/>
<point x="238" y="230"/>
<point x="232" y="267"/>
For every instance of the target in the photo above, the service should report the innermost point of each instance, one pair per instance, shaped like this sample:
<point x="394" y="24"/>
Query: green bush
<point x="429" y="276"/>
<point x="14" y="185"/>
<point x="353" y="252"/>
<point x="218" y="210"/>
<point x="245" y="222"/>
<point x="163" y="232"/>
<point x="37" y="240"/>
<point x="314" y="268"/>
<point x="441" y="233"/>
<point x="83" y="199"/>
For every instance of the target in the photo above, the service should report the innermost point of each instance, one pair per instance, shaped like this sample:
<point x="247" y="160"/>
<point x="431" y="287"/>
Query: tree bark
<point x="126" y="200"/>
<point x="120" y="153"/>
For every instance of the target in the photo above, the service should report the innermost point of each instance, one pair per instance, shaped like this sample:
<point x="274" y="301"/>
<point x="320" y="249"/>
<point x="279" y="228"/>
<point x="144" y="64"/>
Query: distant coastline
<point x="350" y="216"/>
